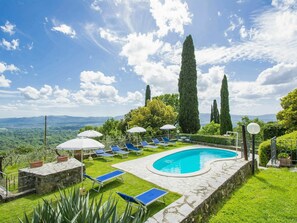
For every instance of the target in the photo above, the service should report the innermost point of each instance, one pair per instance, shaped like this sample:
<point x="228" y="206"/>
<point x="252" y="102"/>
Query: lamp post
<point x="253" y="129"/>
<point x="235" y="133"/>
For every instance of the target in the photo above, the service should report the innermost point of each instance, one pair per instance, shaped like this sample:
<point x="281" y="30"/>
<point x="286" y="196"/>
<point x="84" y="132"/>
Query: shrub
<point x="285" y="142"/>
<point x="283" y="155"/>
<point x="75" y="208"/>
<point x="210" y="129"/>
<point x="217" y="139"/>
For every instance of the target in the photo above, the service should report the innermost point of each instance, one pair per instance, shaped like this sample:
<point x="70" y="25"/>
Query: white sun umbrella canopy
<point x="90" y="134"/>
<point x="136" y="130"/>
<point x="168" y="127"/>
<point x="80" y="144"/>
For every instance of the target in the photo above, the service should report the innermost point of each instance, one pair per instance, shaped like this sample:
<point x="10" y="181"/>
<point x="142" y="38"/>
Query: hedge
<point x="213" y="139"/>
<point x="281" y="145"/>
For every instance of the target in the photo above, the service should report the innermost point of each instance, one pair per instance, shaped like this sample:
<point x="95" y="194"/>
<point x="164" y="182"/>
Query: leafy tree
<point x="245" y="120"/>
<point x="272" y="129"/>
<point x="170" y="99"/>
<point x="154" y="115"/>
<point x="111" y="127"/>
<point x="225" y="120"/>
<point x="288" y="116"/>
<point x="210" y="129"/>
<point x="187" y="87"/>
<point x="216" y="114"/>
<point x="147" y="94"/>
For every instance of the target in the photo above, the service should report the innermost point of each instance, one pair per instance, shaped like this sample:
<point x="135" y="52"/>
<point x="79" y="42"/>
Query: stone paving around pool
<point x="194" y="189"/>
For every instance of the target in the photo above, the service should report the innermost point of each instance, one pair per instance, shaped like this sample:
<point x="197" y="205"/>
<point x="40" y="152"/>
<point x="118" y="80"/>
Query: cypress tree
<point x="187" y="86"/>
<point x="211" y="114"/>
<point x="216" y="114"/>
<point x="226" y="124"/>
<point x="147" y="94"/>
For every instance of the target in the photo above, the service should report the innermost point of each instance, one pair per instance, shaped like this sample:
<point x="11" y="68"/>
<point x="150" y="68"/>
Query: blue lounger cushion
<point x="145" y="198"/>
<point x="166" y="140"/>
<point x="119" y="151"/>
<point x="104" y="178"/>
<point x="157" y="142"/>
<point x="132" y="148"/>
<point x="146" y="145"/>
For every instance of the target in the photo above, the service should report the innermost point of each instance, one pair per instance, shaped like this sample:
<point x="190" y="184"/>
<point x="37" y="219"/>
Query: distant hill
<point x="63" y="122"/>
<point x="75" y="123"/>
<point x="204" y="118"/>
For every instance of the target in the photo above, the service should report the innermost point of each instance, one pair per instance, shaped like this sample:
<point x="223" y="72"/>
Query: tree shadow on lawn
<point x="261" y="179"/>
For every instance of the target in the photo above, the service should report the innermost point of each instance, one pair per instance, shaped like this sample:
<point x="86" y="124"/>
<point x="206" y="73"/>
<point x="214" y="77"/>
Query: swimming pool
<point x="190" y="161"/>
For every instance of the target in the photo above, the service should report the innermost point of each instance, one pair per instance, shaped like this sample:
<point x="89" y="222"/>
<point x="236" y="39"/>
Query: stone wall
<point x="51" y="176"/>
<point x="211" y="205"/>
<point x="54" y="182"/>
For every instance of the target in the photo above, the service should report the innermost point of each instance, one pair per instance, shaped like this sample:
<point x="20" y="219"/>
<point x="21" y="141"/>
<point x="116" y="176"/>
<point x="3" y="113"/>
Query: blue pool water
<point x="189" y="161"/>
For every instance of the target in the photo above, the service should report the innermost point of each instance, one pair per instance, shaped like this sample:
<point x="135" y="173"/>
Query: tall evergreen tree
<point x="187" y="87"/>
<point x="211" y="114"/>
<point x="216" y="114"/>
<point x="147" y="94"/>
<point x="226" y="124"/>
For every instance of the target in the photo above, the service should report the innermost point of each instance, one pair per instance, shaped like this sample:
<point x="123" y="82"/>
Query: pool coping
<point x="204" y="170"/>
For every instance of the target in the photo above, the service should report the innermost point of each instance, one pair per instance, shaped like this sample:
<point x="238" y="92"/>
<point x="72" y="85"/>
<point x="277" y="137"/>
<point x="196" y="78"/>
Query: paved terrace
<point x="194" y="189"/>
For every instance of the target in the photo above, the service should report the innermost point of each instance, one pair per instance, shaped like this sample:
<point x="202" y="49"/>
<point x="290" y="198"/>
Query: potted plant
<point x="35" y="159"/>
<point x="62" y="158"/>
<point x="284" y="159"/>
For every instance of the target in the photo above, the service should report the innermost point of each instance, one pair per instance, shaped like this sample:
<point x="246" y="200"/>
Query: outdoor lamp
<point x="253" y="129"/>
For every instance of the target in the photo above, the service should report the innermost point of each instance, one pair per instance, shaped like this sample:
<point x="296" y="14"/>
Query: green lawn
<point x="10" y="211"/>
<point x="269" y="196"/>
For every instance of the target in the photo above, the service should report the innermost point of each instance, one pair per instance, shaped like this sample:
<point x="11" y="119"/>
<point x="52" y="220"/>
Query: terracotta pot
<point x="35" y="164"/>
<point x="62" y="159"/>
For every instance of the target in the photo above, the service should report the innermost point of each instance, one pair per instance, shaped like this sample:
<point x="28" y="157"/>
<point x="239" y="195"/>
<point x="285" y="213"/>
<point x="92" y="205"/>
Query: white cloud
<point x="65" y="29"/>
<point x="46" y="90"/>
<point x="96" y="5"/>
<point x="4" y="82"/>
<point x="110" y="35"/>
<point x="92" y="31"/>
<point x="13" y="45"/>
<point x="30" y="93"/>
<point x="139" y="47"/>
<point x="272" y="37"/>
<point x="235" y="23"/>
<point x="8" y="67"/>
<point x="278" y="74"/>
<point x="96" y="77"/>
<point x="219" y="13"/>
<point x="8" y="28"/>
<point x="284" y="4"/>
<point x="171" y="16"/>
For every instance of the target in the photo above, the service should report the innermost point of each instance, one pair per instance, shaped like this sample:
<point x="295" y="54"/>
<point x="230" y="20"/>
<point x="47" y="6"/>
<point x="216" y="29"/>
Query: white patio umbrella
<point x="90" y="134"/>
<point x="168" y="127"/>
<point x="80" y="144"/>
<point x="136" y="130"/>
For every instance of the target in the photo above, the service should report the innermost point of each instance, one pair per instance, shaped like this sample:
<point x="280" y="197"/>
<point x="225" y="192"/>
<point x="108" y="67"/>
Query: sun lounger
<point x="148" y="146"/>
<point x="145" y="198"/>
<point x="158" y="143"/>
<point x="134" y="149"/>
<point x="118" y="151"/>
<point x="166" y="140"/>
<point x="101" y="153"/>
<point x="117" y="174"/>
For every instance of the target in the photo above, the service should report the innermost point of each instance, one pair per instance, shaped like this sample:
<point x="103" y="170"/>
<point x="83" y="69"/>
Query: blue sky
<point x="95" y="57"/>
